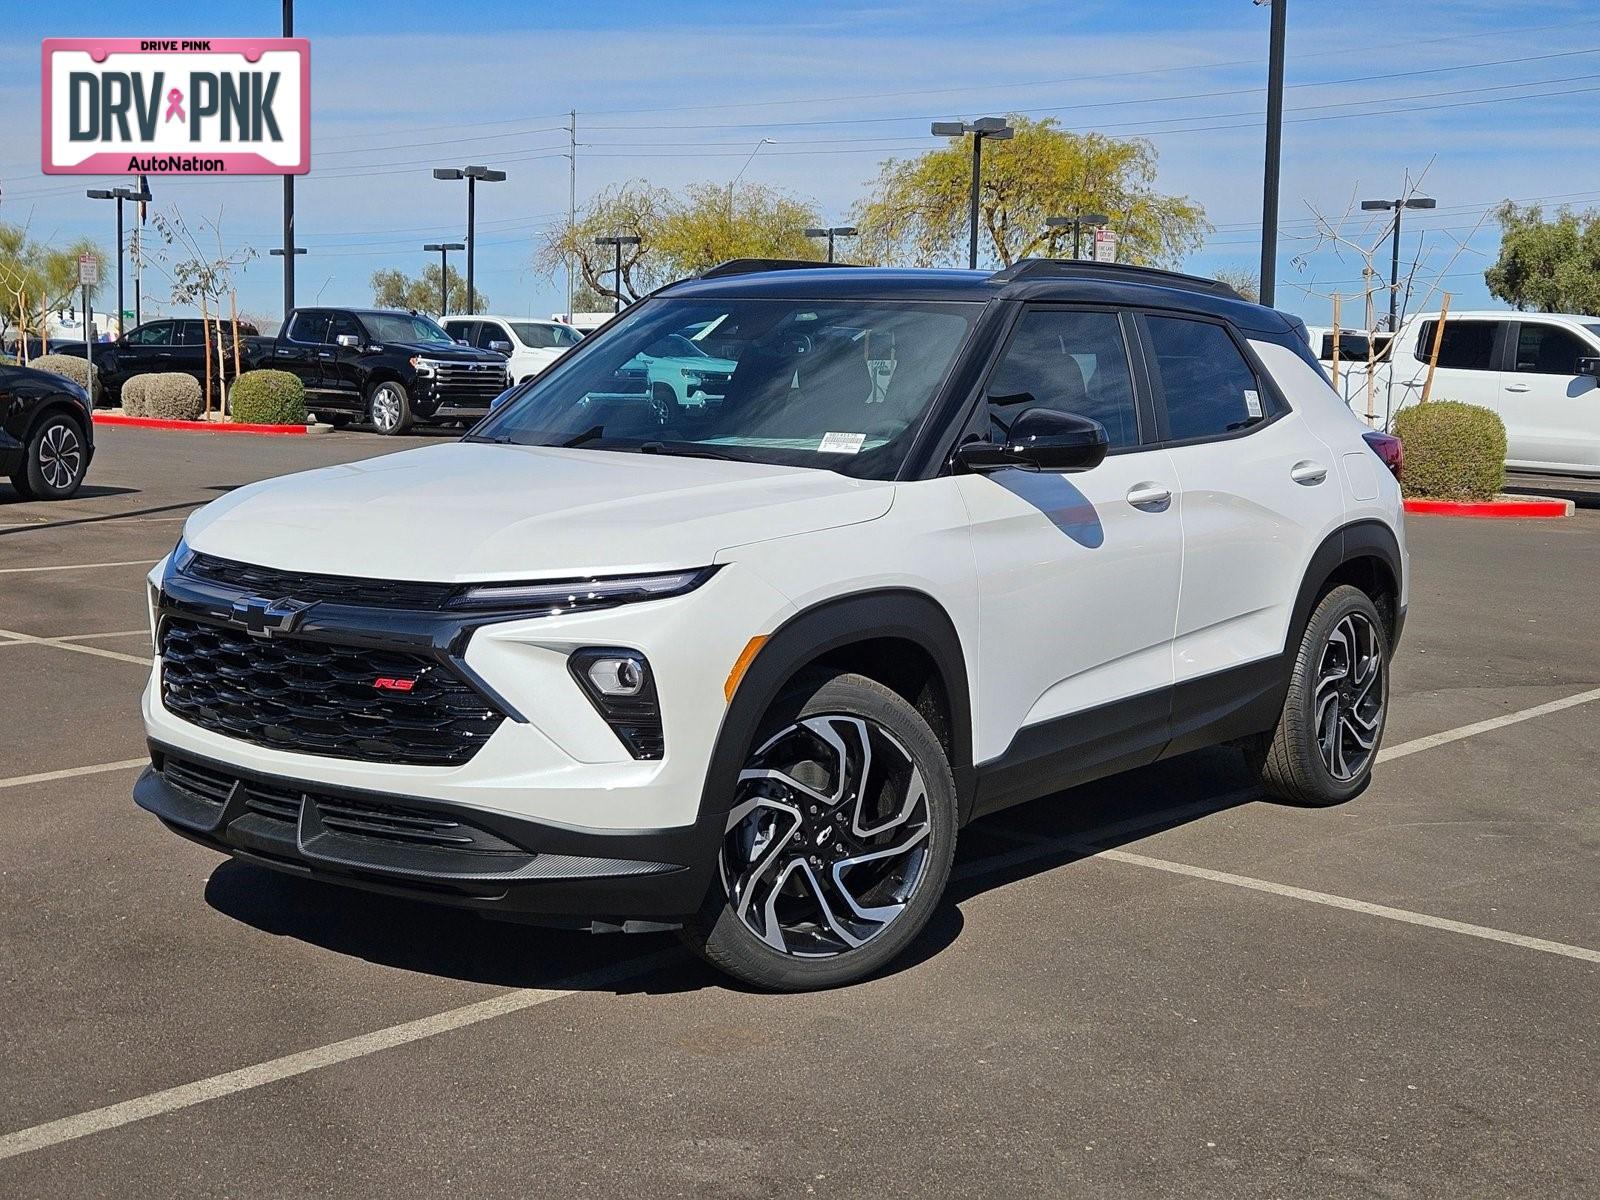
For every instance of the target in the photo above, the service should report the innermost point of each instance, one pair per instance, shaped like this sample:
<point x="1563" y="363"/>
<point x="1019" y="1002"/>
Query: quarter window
<point x="1073" y="362"/>
<point x="1208" y="388"/>
<point x="1549" y="350"/>
<point x="1466" y="345"/>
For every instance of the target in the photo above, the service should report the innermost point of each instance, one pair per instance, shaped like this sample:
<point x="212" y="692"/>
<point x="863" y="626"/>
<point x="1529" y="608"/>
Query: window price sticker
<point x="841" y="443"/>
<point x="1252" y="403"/>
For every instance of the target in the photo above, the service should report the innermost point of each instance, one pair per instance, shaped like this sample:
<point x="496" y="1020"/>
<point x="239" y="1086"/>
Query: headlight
<point x="422" y="365"/>
<point x="567" y="595"/>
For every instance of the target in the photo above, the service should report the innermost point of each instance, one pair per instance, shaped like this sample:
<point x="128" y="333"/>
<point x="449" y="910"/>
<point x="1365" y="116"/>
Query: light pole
<point x="472" y="175"/>
<point x="743" y="169"/>
<point x="119" y="195"/>
<point x="288" y="255"/>
<point x="618" y="241"/>
<point x="1269" y="178"/>
<point x="983" y="127"/>
<point x="1076" y="222"/>
<point x="834" y="231"/>
<point x="288" y="252"/>
<point x="444" y="249"/>
<point x="1398" y="206"/>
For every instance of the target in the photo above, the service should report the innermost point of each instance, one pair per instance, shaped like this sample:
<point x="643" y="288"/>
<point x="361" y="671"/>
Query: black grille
<point x="318" y="698"/>
<point x="274" y="584"/>
<point x="460" y="381"/>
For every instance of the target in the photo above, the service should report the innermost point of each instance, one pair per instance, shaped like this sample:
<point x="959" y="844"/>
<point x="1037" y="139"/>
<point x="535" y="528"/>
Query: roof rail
<point x="749" y="266"/>
<point x="1077" y="268"/>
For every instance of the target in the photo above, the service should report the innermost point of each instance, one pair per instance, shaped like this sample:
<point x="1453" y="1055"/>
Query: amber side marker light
<point x="741" y="665"/>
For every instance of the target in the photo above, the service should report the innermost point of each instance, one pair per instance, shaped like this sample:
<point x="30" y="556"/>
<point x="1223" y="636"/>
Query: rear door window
<point x="308" y="328"/>
<point x="1466" y="345"/>
<point x="1208" y="388"/>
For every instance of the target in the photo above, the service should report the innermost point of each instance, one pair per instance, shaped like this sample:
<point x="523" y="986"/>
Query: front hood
<point x="445" y="353"/>
<point x="469" y="511"/>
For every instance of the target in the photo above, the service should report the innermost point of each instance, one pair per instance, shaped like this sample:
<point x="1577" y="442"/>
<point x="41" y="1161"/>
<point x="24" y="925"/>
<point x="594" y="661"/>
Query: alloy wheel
<point x="60" y="456"/>
<point x="828" y="838"/>
<point x="1350" y="699"/>
<point x="385" y="408"/>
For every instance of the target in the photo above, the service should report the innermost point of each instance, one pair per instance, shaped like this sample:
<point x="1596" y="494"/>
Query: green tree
<point x="1547" y="265"/>
<point x="680" y="233"/>
<point x="37" y="280"/>
<point x="917" y="210"/>
<point x="395" y="289"/>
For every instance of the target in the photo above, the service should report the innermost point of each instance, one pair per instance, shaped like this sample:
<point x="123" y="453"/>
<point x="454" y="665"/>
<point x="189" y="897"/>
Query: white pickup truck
<point x="1539" y="371"/>
<point x="529" y="344"/>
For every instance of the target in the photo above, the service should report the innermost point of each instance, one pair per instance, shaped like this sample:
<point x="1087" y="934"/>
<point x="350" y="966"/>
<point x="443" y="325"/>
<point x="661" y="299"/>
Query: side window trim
<point x="1275" y="404"/>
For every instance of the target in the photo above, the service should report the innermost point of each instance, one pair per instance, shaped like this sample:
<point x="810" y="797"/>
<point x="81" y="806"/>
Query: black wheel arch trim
<point x="898" y="613"/>
<point x="1360" y="539"/>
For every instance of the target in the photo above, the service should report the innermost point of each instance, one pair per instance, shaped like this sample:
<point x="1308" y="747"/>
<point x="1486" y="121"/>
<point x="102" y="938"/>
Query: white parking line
<point x="76" y="637"/>
<point x="66" y="1129"/>
<point x="11" y="636"/>
<point x="72" y="772"/>
<point x="143" y="562"/>
<point x="1477" y="727"/>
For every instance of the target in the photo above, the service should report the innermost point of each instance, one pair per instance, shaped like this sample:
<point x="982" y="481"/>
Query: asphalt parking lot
<point x="1156" y="985"/>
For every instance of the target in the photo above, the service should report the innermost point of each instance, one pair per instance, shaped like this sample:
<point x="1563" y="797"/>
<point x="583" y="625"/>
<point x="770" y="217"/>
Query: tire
<point x="1328" y="735"/>
<point x="54" y="461"/>
<point x="389" y="408"/>
<point x="773" y="918"/>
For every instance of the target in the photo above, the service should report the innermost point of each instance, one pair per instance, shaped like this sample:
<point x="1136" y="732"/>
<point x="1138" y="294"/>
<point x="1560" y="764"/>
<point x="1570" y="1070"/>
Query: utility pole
<point x="288" y="251"/>
<point x="1269" y="182"/>
<point x="572" y="196"/>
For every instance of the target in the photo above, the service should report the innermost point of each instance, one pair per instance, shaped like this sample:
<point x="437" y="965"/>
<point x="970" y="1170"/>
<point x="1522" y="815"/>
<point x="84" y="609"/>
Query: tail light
<point x="1389" y="448"/>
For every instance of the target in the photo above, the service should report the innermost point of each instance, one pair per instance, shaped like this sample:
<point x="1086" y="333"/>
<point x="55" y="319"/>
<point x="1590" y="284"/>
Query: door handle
<point x="324" y="354"/>
<point x="1308" y="472"/>
<point x="1517" y="387"/>
<point x="1150" y="496"/>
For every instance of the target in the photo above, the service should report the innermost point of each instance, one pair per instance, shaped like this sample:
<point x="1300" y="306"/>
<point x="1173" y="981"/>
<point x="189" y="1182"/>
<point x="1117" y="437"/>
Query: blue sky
<point x="1491" y="100"/>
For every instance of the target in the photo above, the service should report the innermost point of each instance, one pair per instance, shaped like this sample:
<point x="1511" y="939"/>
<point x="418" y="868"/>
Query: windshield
<point x="837" y="384"/>
<point x="404" y="327"/>
<point x="544" y="337"/>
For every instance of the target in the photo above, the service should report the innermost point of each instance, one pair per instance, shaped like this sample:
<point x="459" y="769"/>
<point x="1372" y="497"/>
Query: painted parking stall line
<point x="11" y="636"/>
<point x="139" y="562"/>
<point x="73" y="772"/>
<point x="1389" y="753"/>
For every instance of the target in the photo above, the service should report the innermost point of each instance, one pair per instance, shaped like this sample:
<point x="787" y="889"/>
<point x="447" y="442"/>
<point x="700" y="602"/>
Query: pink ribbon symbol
<point x="175" y="105"/>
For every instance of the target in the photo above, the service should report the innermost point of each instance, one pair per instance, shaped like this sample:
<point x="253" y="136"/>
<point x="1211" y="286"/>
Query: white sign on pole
<point x="88" y="270"/>
<point x="1105" y="245"/>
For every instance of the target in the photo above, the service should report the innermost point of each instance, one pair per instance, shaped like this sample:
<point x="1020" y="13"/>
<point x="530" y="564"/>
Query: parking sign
<point x="1105" y="245"/>
<point x="88" y="270"/>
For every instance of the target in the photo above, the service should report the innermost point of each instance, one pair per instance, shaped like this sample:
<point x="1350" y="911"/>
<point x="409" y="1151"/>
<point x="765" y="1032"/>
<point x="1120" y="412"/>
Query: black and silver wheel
<point x="389" y="408"/>
<point x="838" y="843"/>
<point x="1327" y="738"/>
<point x="54" y="461"/>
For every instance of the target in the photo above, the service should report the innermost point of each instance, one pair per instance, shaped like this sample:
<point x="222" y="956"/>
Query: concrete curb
<point x="195" y="426"/>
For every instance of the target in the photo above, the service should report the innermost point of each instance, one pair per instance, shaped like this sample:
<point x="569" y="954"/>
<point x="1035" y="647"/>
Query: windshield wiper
<point x="588" y="435"/>
<point x="499" y="439"/>
<point x="683" y="449"/>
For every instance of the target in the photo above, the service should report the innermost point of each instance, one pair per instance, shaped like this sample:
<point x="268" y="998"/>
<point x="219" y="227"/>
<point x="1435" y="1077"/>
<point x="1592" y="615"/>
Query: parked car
<point x="46" y="433"/>
<point x="169" y="344"/>
<point x="1539" y="371"/>
<point x="529" y="345"/>
<point x="745" y="667"/>
<point x="392" y="368"/>
<point x="38" y="347"/>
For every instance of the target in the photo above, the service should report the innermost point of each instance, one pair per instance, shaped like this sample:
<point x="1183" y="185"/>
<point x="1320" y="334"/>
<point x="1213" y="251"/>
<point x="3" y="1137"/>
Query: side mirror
<point x="348" y="341"/>
<point x="1589" y="367"/>
<point x="500" y="347"/>
<point x="1041" y="439"/>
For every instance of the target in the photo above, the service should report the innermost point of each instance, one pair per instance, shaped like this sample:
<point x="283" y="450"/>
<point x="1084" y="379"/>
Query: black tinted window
<point x="1549" y="350"/>
<point x="159" y="334"/>
<point x="309" y="327"/>
<point x="1208" y="387"/>
<point x="188" y="333"/>
<point x="1073" y="362"/>
<point x="1466" y="346"/>
<point x="490" y="331"/>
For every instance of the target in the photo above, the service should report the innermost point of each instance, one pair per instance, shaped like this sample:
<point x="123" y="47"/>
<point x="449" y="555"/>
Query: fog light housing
<point x="622" y="688"/>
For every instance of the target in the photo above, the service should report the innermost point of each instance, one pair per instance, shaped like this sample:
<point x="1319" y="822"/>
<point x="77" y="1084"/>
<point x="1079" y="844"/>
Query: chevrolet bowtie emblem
<point x="263" y="618"/>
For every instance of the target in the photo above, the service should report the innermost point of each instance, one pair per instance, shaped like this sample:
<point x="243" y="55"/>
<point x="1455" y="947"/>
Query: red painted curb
<point x="195" y="426"/>
<point x="1502" y="509"/>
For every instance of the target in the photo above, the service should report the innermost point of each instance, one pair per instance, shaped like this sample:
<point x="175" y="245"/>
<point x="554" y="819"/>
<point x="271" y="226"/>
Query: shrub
<point x="268" y="398"/>
<point x="1454" y="451"/>
<point x="76" y="369"/>
<point x="167" y="395"/>
<point x="8" y="360"/>
<point x="134" y="401"/>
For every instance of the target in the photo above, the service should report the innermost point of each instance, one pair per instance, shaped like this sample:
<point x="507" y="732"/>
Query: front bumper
<point x="502" y="866"/>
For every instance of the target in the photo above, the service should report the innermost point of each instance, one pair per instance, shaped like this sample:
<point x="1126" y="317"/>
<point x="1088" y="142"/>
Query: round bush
<point x="76" y="369"/>
<point x="8" y="360"/>
<point x="167" y="396"/>
<point x="268" y="398"/>
<point x="1453" y="451"/>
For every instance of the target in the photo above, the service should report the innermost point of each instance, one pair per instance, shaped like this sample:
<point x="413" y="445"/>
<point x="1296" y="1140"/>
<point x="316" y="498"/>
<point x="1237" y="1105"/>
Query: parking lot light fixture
<point x="832" y="232"/>
<point x="983" y="127"/>
<point x="1076" y="222"/>
<point x="444" y="249"/>
<point x="1399" y="206"/>
<point x="473" y="175"/>
<point x="119" y="195"/>
<point x="618" y="241"/>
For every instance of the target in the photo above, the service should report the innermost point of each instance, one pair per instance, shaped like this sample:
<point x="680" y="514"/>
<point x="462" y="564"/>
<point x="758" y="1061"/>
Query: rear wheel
<point x="389" y="406"/>
<point x="1326" y="741"/>
<point x="838" y="844"/>
<point x="54" y="460"/>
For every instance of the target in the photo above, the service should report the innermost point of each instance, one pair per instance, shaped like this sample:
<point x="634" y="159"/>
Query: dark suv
<point x="46" y="433"/>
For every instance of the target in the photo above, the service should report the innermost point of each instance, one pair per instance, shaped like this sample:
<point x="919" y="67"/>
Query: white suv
<point x="941" y="542"/>
<point x="529" y="345"/>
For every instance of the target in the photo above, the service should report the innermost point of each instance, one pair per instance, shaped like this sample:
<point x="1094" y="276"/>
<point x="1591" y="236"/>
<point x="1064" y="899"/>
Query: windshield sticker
<point x="1252" y="403"/>
<point x="841" y="443"/>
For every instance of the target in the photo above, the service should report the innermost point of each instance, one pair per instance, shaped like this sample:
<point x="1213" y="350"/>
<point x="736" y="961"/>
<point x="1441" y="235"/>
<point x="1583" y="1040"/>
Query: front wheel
<point x="1326" y="741"/>
<point x="838" y="844"/>
<point x="389" y="406"/>
<point x="54" y="460"/>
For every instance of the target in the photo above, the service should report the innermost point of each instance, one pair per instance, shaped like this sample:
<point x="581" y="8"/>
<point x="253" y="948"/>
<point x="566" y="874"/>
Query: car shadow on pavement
<point x="1580" y="497"/>
<point x="994" y="852"/>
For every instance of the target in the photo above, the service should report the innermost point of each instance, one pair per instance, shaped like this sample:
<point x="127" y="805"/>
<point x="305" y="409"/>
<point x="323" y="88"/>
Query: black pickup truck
<point x="393" y="368"/>
<point x="169" y="344"/>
